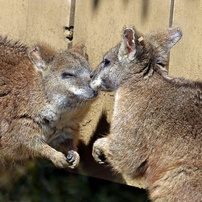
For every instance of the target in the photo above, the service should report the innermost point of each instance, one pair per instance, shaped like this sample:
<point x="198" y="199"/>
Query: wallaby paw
<point x="98" y="155"/>
<point x="59" y="160"/>
<point x="73" y="159"/>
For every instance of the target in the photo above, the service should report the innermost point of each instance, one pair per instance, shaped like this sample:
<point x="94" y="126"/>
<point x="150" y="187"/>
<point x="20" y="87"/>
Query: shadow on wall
<point x="95" y="4"/>
<point x="145" y="7"/>
<point x="88" y="164"/>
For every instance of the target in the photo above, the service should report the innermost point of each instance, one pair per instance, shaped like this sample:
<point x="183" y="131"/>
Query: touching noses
<point x="92" y="74"/>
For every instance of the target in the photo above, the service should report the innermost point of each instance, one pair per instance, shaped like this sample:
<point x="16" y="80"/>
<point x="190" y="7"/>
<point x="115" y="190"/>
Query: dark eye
<point x="66" y="75"/>
<point x="106" y="62"/>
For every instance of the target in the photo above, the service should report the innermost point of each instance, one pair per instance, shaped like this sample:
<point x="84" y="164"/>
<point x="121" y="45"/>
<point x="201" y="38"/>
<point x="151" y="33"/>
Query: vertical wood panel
<point x="186" y="56"/>
<point x="36" y="20"/>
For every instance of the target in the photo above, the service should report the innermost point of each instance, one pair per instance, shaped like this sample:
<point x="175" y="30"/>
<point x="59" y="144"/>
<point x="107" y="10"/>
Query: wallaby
<point x="42" y="101"/>
<point x="156" y="129"/>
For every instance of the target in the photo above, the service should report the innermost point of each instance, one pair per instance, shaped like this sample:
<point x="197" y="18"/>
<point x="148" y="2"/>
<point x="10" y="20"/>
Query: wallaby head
<point x="66" y="78"/>
<point x="42" y="93"/>
<point x="136" y="56"/>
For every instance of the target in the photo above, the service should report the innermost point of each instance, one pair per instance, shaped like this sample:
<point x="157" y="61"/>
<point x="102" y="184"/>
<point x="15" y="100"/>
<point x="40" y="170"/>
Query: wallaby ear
<point x="47" y="52"/>
<point x="167" y="39"/>
<point x="174" y="35"/>
<point x="127" y="48"/>
<point x="80" y="49"/>
<point x="35" y="57"/>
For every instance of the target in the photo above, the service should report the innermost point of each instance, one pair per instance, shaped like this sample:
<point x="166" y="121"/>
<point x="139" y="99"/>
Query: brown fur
<point x="42" y="101"/>
<point x="156" y="131"/>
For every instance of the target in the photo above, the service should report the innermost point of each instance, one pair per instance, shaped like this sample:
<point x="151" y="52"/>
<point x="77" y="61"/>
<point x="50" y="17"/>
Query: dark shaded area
<point x="91" y="168"/>
<point x="87" y="163"/>
<point x="145" y="9"/>
<point x="95" y="4"/>
<point x="48" y="184"/>
<point x="40" y="181"/>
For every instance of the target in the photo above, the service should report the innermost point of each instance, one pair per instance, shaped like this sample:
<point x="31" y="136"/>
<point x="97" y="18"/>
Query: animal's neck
<point x="138" y="73"/>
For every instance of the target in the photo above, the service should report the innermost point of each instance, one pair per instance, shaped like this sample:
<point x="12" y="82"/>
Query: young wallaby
<point x="42" y="102"/>
<point x="156" y="131"/>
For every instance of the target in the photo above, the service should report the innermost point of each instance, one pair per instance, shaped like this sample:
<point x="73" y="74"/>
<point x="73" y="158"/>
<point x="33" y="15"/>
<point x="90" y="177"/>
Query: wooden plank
<point x="33" y="21"/>
<point x="186" y="56"/>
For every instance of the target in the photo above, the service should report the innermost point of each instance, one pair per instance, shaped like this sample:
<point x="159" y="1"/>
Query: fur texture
<point x="42" y="101"/>
<point x="156" y="131"/>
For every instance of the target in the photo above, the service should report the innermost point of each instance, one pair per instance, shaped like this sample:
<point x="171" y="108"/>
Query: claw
<point x="70" y="156"/>
<point x="73" y="159"/>
<point x="99" y="156"/>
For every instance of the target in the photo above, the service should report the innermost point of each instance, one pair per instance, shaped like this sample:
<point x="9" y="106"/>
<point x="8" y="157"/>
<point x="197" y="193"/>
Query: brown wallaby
<point x="42" y="101"/>
<point x="156" y="131"/>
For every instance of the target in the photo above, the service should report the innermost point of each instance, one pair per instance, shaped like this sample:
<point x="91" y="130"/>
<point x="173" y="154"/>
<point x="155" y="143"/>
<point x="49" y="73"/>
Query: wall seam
<point x="172" y="5"/>
<point x="72" y="18"/>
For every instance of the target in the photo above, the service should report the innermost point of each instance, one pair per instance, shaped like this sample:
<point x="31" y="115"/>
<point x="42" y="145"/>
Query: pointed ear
<point x="174" y="35"/>
<point x="127" y="48"/>
<point x="35" y="57"/>
<point x="47" y="52"/>
<point x="167" y="39"/>
<point x="80" y="49"/>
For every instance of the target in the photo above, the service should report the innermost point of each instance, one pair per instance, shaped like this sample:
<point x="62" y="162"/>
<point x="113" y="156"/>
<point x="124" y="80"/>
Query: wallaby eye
<point x="161" y="64"/>
<point x="106" y="62"/>
<point x="66" y="75"/>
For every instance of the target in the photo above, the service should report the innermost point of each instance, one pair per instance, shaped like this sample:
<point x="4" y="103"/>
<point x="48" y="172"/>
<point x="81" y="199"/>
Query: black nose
<point x="95" y="92"/>
<point x="92" y="74"/>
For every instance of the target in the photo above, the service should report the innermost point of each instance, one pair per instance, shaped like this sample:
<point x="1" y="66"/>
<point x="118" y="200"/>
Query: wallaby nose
<point x="92" y="74"/>
<point x="95" y="93"/>
<point x="95" y="84"/>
